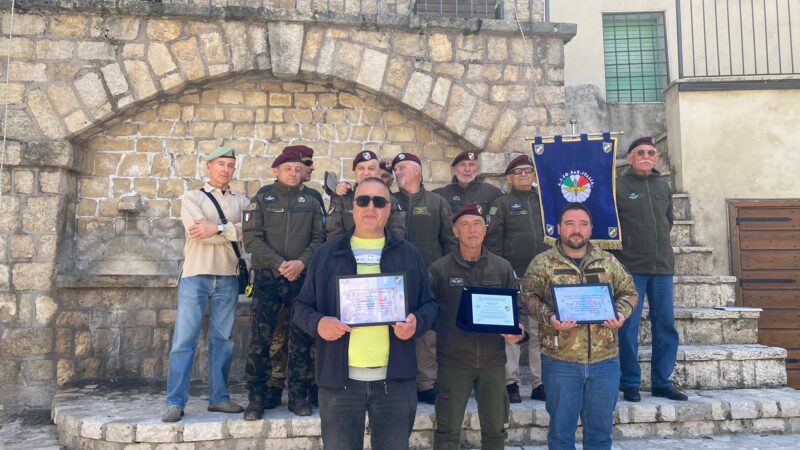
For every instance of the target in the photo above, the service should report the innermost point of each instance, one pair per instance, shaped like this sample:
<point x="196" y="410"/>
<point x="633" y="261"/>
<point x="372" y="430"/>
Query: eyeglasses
<point x="362" y="201"/>
<point x="521" y="170"/>
<point x="650" y="152"/>
<point x="307" y="162"/>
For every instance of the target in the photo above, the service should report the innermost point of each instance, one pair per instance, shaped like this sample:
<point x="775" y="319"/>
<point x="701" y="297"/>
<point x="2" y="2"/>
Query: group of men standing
<point x="468" y="233"/>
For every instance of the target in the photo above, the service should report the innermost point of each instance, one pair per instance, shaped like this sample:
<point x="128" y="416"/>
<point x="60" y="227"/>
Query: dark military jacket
<point x="478" y="192"/>
<point x="281" y="223"/>
<point x="428" y="224"/>
<point x="588" y="343"/>
<point x="449" y="274"/>
<point x="515" y="229"/>
<point x="645" y="219"/>
<point x="340" y="215"/>
<point x="310" y="191"/>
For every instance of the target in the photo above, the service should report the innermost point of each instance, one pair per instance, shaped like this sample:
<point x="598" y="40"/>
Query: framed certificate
<point x="488" y="310"/>
<point x="378" y="299"/>
<point x="584" y="303"/>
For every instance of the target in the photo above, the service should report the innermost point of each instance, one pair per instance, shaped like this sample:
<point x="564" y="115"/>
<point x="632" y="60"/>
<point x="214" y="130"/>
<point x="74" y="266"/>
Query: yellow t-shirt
<point x="369" y="346"/>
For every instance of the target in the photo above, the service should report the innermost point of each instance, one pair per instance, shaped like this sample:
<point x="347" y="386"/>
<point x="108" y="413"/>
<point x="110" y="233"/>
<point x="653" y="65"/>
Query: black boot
<point x="513" y="393"/>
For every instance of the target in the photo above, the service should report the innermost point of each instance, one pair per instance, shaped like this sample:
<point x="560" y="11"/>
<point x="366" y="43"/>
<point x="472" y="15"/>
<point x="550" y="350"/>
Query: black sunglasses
<point x="363" y="200"/>
<point x="307" y="162"/>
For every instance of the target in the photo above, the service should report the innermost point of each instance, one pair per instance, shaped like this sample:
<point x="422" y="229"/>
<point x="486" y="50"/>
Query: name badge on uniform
<point x="274" y="210"/>
<point x="456" y="281"/>
<point x="421" y="211"/>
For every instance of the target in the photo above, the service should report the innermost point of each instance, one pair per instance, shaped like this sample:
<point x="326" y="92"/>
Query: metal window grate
<point x="482" y="9"/>
<point x="635" y="47"/>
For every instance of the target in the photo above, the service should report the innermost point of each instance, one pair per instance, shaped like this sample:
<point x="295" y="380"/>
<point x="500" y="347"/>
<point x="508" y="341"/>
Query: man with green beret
<point x="209" y="276"/>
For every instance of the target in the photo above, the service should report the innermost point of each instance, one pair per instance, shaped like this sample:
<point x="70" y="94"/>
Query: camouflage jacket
<point x="588" y="343"/>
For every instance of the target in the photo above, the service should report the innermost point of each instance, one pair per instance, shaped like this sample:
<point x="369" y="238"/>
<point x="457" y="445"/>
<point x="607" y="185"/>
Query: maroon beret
<point x="464" y="156"/>
<point x="385" y="166"/>
<point x="305" y="152"/>
<point x="284" y="157"/>
<point x="521" y="160"/>
<point x="365" y="155"/>
<point x="649" y="140"/>
<point x="473" y="209"/>
<point x="401" y="157"/>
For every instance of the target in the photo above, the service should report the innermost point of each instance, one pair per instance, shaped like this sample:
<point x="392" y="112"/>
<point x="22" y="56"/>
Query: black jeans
<point x="392" y="407"/>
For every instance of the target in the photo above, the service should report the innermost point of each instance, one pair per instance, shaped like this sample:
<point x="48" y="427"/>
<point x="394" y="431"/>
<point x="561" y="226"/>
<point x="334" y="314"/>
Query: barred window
<point x="483" y="9"/>
<point x="635" y="57"/>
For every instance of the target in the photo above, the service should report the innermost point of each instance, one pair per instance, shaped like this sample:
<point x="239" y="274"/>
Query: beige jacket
<point x="213" y="255"/>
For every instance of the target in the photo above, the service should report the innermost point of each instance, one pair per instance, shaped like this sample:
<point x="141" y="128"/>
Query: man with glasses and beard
<point x="580" y="367"/>
<point x="368" y="369"/>
<point x="466" y="188"/>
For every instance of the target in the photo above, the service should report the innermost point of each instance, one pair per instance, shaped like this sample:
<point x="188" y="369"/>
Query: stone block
<point x="139" y="75"/>
<point x="45" y="309"/>
<point x="285" y="45"/>
<point x="31" y="276"/>
<point x="44" y="114"/>
<point x="241" y="56"/>
<point x="440" y="47"/>
<point x="203" y="431"/>
<point x="158" y="432"/>
<point x="163" y="30"/>
<point x="21" y="246"/>
<point x="213" y="48"/>
<point x="188" y="57"/>
<point x="418" y="90"/>
<point x="120" y="432"/>
<point x="769" y="426"/>
<point x="238" y="429"/>
<point x="373" y="66"/>
<point x="459" y="108"/>
<point x="25" y="342"/>
<point x="115" y="80"/>
<point x="8" y="301"/>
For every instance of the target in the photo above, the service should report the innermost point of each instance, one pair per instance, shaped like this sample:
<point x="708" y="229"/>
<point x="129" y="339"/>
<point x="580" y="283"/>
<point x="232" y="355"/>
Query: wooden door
<point x="765" y="241"/>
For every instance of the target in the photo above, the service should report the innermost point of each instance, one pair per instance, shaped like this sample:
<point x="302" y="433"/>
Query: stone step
<point x="693" y="260"/>
<point x="680" y="206"/>
<point x="708" y="326"/>
<point x="114" y="418"/>
<point x="699" y="291"/>
<point x="681" y="234"/>
<point x="743" y="441"/>
<point x="722" y="366"/>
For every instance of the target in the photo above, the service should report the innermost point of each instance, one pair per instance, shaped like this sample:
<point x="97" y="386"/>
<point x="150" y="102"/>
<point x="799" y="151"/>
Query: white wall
<point x="583" y="55"/>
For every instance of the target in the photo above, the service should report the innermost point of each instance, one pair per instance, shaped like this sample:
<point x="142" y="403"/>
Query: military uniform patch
<point x="421" y="210"/>
<point x="253" y="206"/>
<point x="456" y="281"/>
<point x="246" y="216"/>
<point x="493" y="211"/>
<point x="331" y="210"/>
<point x="269" y="199"/>
<point x="301" y="199"/>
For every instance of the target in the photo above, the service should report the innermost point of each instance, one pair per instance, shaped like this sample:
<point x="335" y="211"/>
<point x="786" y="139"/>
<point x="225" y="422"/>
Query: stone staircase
<point x="734" y="384"/>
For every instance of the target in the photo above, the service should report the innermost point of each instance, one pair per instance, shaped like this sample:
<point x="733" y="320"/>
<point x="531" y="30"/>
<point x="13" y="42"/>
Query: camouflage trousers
<point x="269" y="296"/>
<point x="279" y="353"/>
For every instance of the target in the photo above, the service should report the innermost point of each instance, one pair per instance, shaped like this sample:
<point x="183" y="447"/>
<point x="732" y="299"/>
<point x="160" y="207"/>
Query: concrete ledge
<point x="92" y="417"/>
<point x="563" y="31"/>
<point x="82" y="281"/>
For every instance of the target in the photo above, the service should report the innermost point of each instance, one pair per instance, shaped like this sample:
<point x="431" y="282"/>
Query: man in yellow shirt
<point x="369" y="369"/>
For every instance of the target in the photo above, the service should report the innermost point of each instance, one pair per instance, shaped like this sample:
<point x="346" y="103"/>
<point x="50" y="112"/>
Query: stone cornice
<point x="563" y="31"/>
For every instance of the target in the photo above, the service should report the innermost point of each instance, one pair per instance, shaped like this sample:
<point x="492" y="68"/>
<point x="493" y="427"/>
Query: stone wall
<point x="112" y="107"/>
<point x="157" y="156"/>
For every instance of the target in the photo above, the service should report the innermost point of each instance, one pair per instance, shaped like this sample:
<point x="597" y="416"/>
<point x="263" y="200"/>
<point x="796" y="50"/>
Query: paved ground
<point x="738" y="442"/>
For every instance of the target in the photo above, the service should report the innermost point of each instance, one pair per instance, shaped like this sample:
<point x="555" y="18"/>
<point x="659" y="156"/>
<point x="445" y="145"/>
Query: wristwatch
<point x="220" y="228"/>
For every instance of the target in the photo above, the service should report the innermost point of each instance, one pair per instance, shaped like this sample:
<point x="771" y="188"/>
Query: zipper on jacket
<point x="530" y="217"/>
<point x="652" y="213"/>
<point x="288" y="219"/>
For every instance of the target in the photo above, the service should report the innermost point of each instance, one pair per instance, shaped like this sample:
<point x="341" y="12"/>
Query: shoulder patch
<point x="251" y="207"/>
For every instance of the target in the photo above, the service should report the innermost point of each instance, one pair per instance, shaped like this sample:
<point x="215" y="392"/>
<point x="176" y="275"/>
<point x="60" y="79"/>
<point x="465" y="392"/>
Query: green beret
<point x="222" y="152"/>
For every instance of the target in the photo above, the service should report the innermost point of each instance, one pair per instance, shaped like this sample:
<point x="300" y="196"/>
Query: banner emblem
<point x="576" y="186"/>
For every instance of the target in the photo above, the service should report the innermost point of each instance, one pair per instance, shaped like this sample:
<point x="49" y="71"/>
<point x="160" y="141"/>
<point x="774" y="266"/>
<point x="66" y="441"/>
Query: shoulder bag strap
<point x="222" y="218"/>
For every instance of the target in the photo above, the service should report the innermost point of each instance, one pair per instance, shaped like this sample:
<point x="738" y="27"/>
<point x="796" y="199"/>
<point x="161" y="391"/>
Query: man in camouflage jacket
<point x="580" y="364"/>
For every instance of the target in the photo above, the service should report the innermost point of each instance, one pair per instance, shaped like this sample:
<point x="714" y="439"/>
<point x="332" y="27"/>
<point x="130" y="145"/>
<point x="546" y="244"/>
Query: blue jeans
<point x="193" y="294"/>
<point x="588" y="391"/>
<point x="391" y="405"/>
<point x="665" y="338"/>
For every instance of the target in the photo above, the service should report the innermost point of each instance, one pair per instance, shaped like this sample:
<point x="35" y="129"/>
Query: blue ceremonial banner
<point x="579" y="170"/>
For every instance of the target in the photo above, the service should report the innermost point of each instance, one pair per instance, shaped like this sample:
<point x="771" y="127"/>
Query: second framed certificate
<point x="584" y="303"/>
<point x="379" y="299"/>
<point x="488" y="310"/>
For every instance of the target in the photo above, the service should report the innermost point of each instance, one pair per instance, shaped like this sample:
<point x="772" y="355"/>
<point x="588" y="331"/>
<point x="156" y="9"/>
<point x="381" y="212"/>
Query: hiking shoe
<point x="300" y="407"/>
<point x="273" y="398"/>
<point x="513" y="393"/>
<point x="254" y="411"/>
<point x="631" y="394"/>
<point x="228" y="406"/>
<point x="313" y="396"/>
<point x="427" y="396"/>
<point x="173" y="414"/>
<point x="539" y="394"/>
<point x="670" y="393"/>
